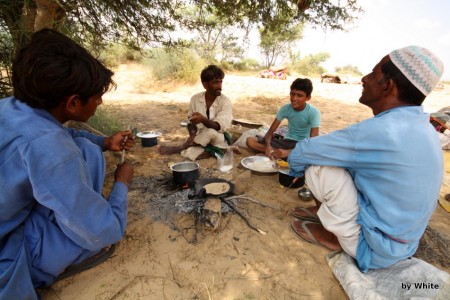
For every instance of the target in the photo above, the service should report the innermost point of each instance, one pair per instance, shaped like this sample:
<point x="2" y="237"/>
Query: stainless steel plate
<point x="260" y="164"/>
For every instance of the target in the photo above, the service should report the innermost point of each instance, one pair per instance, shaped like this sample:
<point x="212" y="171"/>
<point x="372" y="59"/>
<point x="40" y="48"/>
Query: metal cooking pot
<point x="186" y="172"/>
<point x="286" y="180"/>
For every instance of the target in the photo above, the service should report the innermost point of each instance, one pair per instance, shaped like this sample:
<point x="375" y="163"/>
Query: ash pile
<point x="161" y="199"/>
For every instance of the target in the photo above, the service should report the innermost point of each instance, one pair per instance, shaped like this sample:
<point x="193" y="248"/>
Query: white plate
<point x="261" y="164"/>
<point x="148" y="134"/>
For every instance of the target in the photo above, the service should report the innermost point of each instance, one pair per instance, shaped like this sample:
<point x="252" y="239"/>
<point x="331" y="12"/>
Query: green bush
<point x="310" y="64"/>
<point x="116" y="54"/>
<point x="183" y="65"/>
<point x="104" y="122"/>
<point x="348" y="69"/>
<point x="308" y="69"/>
<point x="226" y="66"/>
<point x="189" y="67"/>
<point x="247" y="64"/>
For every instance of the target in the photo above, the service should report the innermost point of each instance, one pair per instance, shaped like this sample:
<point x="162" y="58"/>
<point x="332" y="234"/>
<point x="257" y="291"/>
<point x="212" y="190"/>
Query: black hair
<point x="303" y="84"/>
<point x="407" y="92"/>
<point x="211" y="72"/>
<point x="52" y="67"/>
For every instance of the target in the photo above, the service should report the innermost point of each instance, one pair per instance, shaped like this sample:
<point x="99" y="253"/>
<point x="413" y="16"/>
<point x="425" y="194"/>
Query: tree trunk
<point x="34" y="15"/>
<point x="49" y="13"/>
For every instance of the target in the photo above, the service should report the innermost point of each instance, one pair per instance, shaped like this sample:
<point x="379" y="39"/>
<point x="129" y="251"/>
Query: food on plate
<point x="282" y="164"/>
<point x="261" y="166"/>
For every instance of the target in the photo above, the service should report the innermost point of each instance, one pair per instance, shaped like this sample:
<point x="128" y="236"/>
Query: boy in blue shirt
<point x="303" y="122"/>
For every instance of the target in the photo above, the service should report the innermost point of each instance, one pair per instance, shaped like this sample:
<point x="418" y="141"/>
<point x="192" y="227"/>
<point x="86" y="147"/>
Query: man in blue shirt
<point x="52" y="212"/>
<point x="376" y="182"/>
<point x="303" y="121"/>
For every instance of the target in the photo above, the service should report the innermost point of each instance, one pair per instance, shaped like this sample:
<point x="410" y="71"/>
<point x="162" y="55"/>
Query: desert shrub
<point x="226" y="66"/>
<point x="310" y="64"/>
<point x="247" y="64"/>
<point x="348" y="69"/>
<point x="104" y="122"/>
<point x="182" y="65"/>
<point x="189" y="67"/>
<point x="117" y="54"/>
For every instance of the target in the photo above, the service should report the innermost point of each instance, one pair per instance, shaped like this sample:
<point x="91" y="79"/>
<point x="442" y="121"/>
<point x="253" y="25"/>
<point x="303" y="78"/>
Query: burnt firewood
<point x="211" y="213"/>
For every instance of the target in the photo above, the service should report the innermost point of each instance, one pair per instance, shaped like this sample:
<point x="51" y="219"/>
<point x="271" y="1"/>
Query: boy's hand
<point x="122" y="140"/>
<point x="124" y="173"/>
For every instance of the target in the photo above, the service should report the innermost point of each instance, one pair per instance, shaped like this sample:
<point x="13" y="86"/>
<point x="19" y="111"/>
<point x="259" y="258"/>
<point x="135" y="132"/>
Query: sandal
<point x="305" y="214"/>
<point x="302" y="230"/>
<point x="88" y="263"/>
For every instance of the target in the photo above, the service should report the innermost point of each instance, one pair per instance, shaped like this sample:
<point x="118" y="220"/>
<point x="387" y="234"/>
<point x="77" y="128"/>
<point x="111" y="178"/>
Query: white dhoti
<point x="210" y="136"/>
<point x="334" y="188"/>
<point x="207" y="136"/>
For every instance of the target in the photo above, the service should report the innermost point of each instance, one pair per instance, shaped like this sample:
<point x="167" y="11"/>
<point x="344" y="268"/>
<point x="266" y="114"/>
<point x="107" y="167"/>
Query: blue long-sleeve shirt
<point x="395" y="160"/>
<point x="40" y="163"/>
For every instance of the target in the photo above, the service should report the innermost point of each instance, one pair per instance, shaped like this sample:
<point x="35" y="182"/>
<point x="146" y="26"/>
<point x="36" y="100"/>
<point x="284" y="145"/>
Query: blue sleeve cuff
<point x="119" y="190"/>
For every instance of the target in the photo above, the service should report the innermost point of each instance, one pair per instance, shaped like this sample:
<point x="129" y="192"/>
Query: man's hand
<point x="197" y="118"/>
<point x="124" y="173"/>
<point x="269" y="151"/>
<point x="122" y="140"/>
<point x="281" y="153"/>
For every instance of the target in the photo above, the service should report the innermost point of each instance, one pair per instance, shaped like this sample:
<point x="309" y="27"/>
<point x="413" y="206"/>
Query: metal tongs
<point x="292" y="183"/>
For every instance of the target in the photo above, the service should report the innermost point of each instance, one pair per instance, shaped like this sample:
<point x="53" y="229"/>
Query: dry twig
<point x="252" y="200"/>
<point x="243" y="217"/>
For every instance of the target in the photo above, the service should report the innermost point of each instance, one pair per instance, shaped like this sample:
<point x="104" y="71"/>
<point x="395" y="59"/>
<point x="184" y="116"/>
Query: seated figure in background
<point x="303" y="122"/>
<point x="210" y="114"/>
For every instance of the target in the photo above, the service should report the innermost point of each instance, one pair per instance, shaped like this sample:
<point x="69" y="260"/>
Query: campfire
<point x="208" y="200"/>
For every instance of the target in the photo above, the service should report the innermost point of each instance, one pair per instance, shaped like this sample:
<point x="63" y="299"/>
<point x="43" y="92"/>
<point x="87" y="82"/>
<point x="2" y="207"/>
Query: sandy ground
<point x="165" y="255"/>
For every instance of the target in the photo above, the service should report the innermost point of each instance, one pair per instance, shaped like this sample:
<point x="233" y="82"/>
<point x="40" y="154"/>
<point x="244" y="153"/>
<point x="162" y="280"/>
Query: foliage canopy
<point x="146" y="23"/>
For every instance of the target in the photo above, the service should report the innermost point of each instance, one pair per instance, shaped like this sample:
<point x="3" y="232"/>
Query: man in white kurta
<point x="210" y="114"/>
<point x="220" y="111"/>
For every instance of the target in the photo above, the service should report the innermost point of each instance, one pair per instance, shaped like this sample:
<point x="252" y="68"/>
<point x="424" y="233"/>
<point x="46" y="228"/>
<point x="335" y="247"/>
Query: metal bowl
<point x="305" y="194"/>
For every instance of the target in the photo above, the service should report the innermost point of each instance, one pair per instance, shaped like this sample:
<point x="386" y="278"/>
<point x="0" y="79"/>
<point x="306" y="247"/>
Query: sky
<point x="384" y="26"/>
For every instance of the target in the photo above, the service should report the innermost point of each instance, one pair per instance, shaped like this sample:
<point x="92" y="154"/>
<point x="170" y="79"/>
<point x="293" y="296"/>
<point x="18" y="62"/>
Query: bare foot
<point x="169" y="150"/>
<point x="236" y="149"/>
<point x="204" y="155"/>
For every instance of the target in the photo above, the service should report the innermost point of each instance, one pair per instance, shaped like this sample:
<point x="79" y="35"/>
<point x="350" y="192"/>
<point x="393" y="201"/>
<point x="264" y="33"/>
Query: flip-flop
<point x="88" y="263"/>
<point x="305" y="214"/>
<point x="307" y="235"/>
